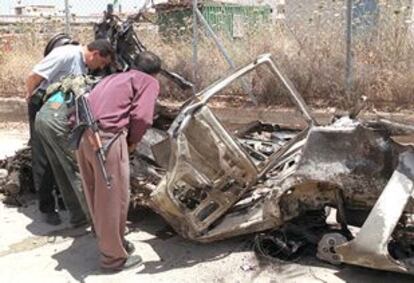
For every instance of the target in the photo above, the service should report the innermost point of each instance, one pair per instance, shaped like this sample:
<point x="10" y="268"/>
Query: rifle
<point x="86" y="120"/>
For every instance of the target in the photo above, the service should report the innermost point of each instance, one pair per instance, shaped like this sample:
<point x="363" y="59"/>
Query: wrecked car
<point x="211" y="184"/>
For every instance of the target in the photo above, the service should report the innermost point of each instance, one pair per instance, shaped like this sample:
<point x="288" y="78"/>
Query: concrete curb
<point x="13" y="110"/>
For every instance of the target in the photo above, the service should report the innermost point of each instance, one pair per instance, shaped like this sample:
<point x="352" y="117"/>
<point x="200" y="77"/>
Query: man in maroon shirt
<point x="121" y="103"/>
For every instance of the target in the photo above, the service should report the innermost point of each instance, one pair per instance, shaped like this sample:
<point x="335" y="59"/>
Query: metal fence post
<point x="194" y="42"/>
<point x="67" y="17"/>
<point x="225" y="53"/>
<point x="348" y="66"/>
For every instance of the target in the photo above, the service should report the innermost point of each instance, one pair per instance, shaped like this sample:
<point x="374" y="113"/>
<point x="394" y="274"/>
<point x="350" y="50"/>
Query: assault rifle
<point x="85" y="120"/>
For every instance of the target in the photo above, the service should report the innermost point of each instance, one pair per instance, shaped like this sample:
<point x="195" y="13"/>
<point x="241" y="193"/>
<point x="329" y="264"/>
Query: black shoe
<point x="129" y="247"/>
<point x="52" y="218"/>
<point x="78" y="220"/>
<point x="132" y="261"/>
<point x="81" y="223"/>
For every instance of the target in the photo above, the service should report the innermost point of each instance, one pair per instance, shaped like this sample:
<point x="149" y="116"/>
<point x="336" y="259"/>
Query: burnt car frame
<point x="211" y="184"/>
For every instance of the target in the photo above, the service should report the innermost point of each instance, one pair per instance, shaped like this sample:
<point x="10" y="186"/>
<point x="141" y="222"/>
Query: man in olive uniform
<point x="60" y="62"/>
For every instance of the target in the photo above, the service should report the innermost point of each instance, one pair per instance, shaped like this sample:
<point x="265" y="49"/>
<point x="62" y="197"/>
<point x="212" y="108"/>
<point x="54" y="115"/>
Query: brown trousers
<point x="108" y="207"/>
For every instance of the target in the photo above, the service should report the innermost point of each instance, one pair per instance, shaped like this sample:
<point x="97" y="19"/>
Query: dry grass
<point x="14" y="66"/>
<point x="313" y="58"/>
<point x="21" y="46"/>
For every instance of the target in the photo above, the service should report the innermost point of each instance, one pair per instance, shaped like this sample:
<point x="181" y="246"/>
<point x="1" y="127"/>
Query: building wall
<point x="36" y="10"/>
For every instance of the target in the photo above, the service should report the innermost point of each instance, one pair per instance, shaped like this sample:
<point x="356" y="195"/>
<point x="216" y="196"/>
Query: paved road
<point x="31" y="251"/>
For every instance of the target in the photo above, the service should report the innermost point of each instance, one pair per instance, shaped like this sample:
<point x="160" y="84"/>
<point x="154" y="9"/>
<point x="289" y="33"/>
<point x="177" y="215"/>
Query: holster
<point x="37" y="97"/>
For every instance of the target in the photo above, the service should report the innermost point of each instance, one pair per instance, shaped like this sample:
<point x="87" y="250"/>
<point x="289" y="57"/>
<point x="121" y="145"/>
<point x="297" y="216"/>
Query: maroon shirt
<point x="125" y="101"/>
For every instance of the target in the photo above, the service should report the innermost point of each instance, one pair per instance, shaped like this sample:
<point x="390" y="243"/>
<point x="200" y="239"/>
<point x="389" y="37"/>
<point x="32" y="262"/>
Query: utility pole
<point x="412" y="18"/>
<point x="67" y="17"/>
<point x="348" y="64"/>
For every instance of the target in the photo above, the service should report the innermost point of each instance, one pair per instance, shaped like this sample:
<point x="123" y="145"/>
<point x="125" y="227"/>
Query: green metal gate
<point x="229" y="19"/>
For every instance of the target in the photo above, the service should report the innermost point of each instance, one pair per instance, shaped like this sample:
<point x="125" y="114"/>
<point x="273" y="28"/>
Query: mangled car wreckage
<point x="210" y="183"/>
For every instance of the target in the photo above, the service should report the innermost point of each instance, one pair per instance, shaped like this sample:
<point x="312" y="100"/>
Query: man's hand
<point x="131" y="148"/>
<point x="32" y="82"/>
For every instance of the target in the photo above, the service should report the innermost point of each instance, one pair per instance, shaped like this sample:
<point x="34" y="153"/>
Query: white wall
<point x="37" y="11"/>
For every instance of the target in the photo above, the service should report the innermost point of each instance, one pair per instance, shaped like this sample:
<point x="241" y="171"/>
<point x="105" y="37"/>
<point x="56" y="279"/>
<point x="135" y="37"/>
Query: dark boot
<point x="52" y="218"/>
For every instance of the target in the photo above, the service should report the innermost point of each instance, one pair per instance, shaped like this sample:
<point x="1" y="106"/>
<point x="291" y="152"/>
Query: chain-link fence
<point x="381" y="49"/>
<point x="332" y="56"/>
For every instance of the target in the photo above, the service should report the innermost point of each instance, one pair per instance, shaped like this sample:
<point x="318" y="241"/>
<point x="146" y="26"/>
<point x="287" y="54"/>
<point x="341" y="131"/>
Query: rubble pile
<point x="16" y="173"/>
<point x="16" y="176"/>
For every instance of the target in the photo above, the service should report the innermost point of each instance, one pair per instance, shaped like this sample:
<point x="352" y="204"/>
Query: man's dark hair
<point x="147" y="62"/>
<point x="103" y="46"/>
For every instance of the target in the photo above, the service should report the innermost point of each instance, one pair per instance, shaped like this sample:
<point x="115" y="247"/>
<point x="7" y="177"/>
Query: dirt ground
<point x="32" y="251"/>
